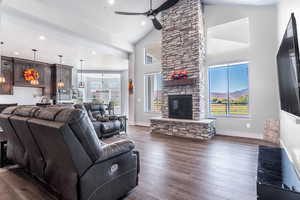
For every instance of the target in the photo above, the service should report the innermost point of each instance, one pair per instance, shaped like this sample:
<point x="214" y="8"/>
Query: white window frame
<point x="209" y="97"/>
<point x="99" y="73"/>
<point x="146" y="103"/>
<point x="145" y="58"/>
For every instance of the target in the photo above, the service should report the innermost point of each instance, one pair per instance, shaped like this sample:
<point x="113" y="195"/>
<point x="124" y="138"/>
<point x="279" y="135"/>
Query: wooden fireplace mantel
<point x="180" y="82"/>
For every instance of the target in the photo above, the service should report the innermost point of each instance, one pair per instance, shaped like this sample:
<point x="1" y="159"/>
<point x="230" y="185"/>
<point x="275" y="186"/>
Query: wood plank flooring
<point x="171" y="169"/>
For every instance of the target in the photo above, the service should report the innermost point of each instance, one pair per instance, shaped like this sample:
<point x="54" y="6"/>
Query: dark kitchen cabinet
<point x="20" y="65"/>
<point x="7" y="70"/>
<point x="44" y="70"/>
<point x="63" y="73"/>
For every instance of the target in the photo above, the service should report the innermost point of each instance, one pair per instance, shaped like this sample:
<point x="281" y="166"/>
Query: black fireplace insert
<point x="180" y="106"/>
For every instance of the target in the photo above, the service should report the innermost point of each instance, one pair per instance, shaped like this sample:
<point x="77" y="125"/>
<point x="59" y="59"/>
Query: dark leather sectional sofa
<point x="60" y="147"/>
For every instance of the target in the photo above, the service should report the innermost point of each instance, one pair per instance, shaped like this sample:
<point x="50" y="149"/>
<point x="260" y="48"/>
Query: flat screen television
<point x="288" y="69"/>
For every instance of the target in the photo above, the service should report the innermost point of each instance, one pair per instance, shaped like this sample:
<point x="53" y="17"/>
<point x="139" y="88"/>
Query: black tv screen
<point x="288" y="69"/>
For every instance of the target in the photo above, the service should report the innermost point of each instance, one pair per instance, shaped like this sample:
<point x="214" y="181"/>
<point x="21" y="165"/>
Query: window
<point x="102" y="88"/>
<point x="229" y="90"/>
<point x="152" y="54"/>
<point x="153" y="92"/>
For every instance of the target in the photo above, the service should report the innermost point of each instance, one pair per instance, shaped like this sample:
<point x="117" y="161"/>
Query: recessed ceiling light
<point x="111" y="2"/>
<point x="42" y="37"/>
<point x="16" y="53"/>
<point x="94" y="52"/>
<point x="143" y="23"/>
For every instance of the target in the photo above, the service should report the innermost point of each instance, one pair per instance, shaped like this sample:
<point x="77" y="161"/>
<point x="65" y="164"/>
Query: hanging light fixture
<point x="60" y="84"/>
<point x="2" y="77"/>
<point x="81" y="83"/>
<point x="34" y="81"/>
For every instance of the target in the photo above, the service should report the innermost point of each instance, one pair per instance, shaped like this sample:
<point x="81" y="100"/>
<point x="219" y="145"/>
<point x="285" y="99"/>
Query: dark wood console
<point x="276" y="176"/>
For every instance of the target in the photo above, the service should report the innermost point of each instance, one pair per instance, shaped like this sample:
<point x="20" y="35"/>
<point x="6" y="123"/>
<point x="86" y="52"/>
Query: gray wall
<point x="141" y="117"/>
<point x="290" y="130"/>
<point x="262" y="68"/>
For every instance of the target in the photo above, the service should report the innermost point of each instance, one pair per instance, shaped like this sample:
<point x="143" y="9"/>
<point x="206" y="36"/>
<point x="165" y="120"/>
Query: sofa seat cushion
<point x="108" y="127"/>
<point x="101" y="118"/>
<point x="95" y="114"/>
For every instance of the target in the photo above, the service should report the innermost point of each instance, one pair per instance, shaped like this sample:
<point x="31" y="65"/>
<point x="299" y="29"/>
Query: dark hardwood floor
<point x="171" y="169"/>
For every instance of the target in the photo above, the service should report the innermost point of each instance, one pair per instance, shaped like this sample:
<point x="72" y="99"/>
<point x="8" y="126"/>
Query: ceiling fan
<point x="152" y="13"/>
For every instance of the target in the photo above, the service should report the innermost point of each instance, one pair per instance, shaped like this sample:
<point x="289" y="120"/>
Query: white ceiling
<point x="94" y="19"/>
<point x="74" y="28"/>
<point x="241" y="2"/>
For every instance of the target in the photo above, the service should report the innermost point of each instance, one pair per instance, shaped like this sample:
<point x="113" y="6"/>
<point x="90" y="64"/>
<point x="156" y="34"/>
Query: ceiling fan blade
<point x="129" y="13"/>
<point x="168" y="4"/>
<point x="156" y="23"/>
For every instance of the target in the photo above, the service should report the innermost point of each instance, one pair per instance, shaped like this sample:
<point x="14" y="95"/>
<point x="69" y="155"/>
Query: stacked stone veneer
<point x="203" y="129"/>
<point x="183" y="47"/>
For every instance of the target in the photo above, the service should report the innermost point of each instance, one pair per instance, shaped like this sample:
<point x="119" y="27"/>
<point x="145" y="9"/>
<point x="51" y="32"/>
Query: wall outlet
<point x="139" y="100"/>
<point x="248" y="125"/>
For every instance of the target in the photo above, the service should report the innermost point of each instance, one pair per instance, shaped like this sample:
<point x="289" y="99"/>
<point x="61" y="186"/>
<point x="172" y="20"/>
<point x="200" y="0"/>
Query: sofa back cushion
<point x="15" y="147"/>
<point x="96" y="109"/>
<point x="60" y="172"/>
<point x="83" y="129"/>
<point x="35" y="162"/>
<point x="26" y="111"/>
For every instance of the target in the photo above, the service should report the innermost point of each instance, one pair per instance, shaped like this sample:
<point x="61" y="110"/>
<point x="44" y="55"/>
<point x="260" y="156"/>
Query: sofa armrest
<point x="115" y="149"/>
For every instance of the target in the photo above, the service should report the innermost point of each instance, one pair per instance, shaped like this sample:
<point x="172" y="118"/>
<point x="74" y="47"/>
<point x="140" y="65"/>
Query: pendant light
<point x="81" y="83"/>
<point x="60" y="84"/>
<point x="34" y="82"/>
<point x="2" y="77"/>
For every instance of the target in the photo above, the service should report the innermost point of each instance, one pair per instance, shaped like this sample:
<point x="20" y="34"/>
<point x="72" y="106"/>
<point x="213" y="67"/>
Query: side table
<point x="123" y="119"/>
<point x="3" y="148"/>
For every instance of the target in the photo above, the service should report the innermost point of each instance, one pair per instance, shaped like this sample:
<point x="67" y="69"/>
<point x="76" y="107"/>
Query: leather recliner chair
<point x="104" y="129"/>
<point x="60" y="147"/>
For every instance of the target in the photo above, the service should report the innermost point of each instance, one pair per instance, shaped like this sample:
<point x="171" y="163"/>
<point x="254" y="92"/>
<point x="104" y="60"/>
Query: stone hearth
<point x="201" y="129"/>
<point x="183" y="47"/>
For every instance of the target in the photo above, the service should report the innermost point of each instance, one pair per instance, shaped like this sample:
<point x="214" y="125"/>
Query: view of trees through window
<point x="229" y="90"/>
<point x="102" y="88"/>
<point x="153" y="92"/>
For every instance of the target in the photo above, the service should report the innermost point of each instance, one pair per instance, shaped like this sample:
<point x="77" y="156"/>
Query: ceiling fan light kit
<point x="152" y="13"/>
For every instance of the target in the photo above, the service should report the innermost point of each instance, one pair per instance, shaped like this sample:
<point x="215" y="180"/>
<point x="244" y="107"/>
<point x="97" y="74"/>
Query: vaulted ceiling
<point x="76" y="28"/>
<point x="80" y="29"/>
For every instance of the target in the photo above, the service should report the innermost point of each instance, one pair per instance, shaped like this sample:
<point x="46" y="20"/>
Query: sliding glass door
<point x="102" y="87"/>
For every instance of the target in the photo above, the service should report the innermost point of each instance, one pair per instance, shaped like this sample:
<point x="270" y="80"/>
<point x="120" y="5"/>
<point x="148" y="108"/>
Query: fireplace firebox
<point x="180" y="106"/>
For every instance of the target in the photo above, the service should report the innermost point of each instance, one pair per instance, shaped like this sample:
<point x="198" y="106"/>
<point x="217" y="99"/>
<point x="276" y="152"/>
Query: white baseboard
<point x="131" y="123"/>
<point x="142" y="124"/>
<point x="251" y="135"/>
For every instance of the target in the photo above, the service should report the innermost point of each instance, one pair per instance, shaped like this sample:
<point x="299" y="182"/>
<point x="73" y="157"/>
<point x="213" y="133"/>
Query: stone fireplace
<point x="183" y="48"/>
